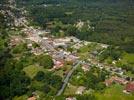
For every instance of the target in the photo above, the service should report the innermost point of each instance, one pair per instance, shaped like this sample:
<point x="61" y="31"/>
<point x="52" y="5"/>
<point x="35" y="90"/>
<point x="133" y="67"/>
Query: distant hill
<point x="113" y="19"/>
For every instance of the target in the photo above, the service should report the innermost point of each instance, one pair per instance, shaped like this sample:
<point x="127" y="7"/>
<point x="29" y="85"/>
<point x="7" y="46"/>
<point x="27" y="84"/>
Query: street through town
<point x="66" y="80"/>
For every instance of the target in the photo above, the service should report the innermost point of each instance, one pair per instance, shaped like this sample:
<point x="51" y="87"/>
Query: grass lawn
<point x="23" y="97"/>
<point x="114" y="93"/>
<point x="83" y="56"/>
<point x="61" y="71"/>
<point x="128" y="58"/>
<point x="37" y="85"/>
<point x="84" y="49"/>
<point x="70" y="90"/>
<point x="128" y="73"/>
<point x="32" y="70"/>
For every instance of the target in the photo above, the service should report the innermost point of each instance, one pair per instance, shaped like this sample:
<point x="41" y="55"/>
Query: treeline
<point x="111" y="26"/>
<point x="39" y="2"/>
<point x="13" y="80"/>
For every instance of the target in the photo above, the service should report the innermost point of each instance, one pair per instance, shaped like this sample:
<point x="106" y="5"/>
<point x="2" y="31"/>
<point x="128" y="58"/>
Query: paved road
<point x="67" y="78"/>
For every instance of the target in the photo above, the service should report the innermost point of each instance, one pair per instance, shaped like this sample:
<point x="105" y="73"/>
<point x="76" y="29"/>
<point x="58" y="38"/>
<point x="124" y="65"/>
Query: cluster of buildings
<point x="20" y="21"/>
<point x="15" y="40"/>
<point x="80" y="90"/>
<point x="55" y="47"/>
<point x="115" y="79"/>
<point x="129" y="88"/>
<point x="128" y="85"/>
<point x="85" y="67"/>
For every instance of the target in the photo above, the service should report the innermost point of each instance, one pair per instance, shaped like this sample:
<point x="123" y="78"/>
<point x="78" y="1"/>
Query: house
<point x="59" y="44"/>
<point x="64" y="40"/>
<point x="108" y="82"/>
<point x="34" y="38"/>
<point x="72" y="58"/>
<point x="85" y="67"/>
<point x="114" y="62"/>
<point x="103" y="45"/>
<point x="94" y="53"/>
<point x="115" y="79"/>
<point x="71" y="98"/>
<point x="74" y="39"/>
<point x="86" y="43"/>
<point x="30" y="45"/>
<point x="80" y="90"/>
<point x="32" y="98"/>
<point x="50" y="25"/>
<point x="36" y="51"/>
<point x="129" y="87"/>
<point x="58" y="64"/>
<point x="59" y="55"/>
<point x="15" y="40"/>
<point x="43" y="32"/>
<point x="77" y="45"/>
<point x="120" y="80"/>
<point x="79" y="24"/>
<point x="46" y="44"/>
<point x="20" y="21"/>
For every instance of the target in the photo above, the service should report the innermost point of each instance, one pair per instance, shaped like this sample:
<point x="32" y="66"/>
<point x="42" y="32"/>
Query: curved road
<point x="67" y="78"/>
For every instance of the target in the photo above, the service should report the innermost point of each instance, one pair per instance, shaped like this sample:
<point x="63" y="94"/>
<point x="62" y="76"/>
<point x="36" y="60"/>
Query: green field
<point x="70" y="90"/>
<point x="62" y="70"/>
<point x="128" y="58"/>
<point x="32" y="70"/>
<point x="84" y="49"/>
<point x="24" y="97"/>
<point x="114" y="92"/>
<point x="84" y="52"/>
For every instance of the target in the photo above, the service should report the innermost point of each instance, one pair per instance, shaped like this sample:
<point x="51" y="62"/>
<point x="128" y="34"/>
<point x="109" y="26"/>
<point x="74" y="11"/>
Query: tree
<point x="56" y="29"/>
<point x="85" y="97"/>
<point x="71" y="30"/>
<point x="45" y="60"/>
<point x="55" y="81"/>
<point x="35" y="45"/>
<point x="13" y="83"/>
<point x="19" y="48"/>
<point x="70" y="49"/>
<point x="46" y="89"/>
<point x="91" y="80"/>
<point x="40" y="76"/>
<point x="100" y="86"/>
<point x="102" y="75"/>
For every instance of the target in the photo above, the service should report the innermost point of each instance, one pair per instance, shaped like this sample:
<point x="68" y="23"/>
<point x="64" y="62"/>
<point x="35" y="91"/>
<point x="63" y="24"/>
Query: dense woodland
<point x="112" y="20"/>
<point x="13" y="80"/>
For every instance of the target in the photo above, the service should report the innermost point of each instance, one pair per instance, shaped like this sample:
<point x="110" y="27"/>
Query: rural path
<point x="65" y="82"/>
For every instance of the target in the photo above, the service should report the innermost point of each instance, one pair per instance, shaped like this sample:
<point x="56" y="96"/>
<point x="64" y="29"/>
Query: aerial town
<point x="63" y="67"/>
<point x="57" y="48"/>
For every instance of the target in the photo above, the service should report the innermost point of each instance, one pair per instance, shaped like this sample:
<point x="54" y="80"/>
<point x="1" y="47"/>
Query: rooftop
<point x="130" y="87"/>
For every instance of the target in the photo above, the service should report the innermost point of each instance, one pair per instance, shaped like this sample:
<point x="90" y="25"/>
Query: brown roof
<point x="120" y="80"/>
<point x="15" y="40"/>
<point x="108" y="82"/>
<point x="116" y="80"/>
<point x="130" y="87"/>
<point x="32" y="98"/>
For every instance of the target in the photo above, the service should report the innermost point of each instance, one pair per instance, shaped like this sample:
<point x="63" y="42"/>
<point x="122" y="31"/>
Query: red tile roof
<point x="130" y="87"/>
